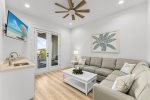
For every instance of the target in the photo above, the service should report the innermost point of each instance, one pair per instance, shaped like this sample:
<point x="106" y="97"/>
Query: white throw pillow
<point x="127" y="68"/>
<point x="81" y="61"/>
<point x="123" y="83"/>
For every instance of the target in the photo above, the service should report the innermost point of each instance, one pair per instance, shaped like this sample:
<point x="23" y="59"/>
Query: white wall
<point x="2" y="15"/>
<point x="2" y="8"/>
<point x="132" y="26"/>
<point x="148" y="27"/>
<point x="26" y="49"/>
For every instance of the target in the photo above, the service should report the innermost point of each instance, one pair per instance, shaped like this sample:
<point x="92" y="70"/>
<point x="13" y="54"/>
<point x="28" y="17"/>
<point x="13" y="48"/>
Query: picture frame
<point x="107" y="42"/>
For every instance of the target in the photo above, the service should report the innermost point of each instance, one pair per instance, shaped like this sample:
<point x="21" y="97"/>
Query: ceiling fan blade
<point x="61" y="6"/>
<point x="81" y="16"/>
<point x="66" y="15"/>
<point x="73" y="17"/>
<point x="82" y="3"/>
<point x="70" y="4"/>
<point x="83" y="11"/>
<point x="61" y="11"/>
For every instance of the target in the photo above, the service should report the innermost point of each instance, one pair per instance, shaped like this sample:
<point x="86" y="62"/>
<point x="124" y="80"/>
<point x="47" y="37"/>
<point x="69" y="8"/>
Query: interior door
<point x="42" y="51"/>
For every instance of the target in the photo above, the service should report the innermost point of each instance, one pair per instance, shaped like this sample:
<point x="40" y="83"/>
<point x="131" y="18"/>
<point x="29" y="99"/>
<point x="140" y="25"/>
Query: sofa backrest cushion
<point x="95" y="61"/>
<point x="109" y="63"/>
<point x="140" y="67"/>
<point x="120" y="62"/>
<point x="145" y="95"/>
<point x="141" y="80"/>
<point x="87" y="61"/>
<point x="138" y="85"/>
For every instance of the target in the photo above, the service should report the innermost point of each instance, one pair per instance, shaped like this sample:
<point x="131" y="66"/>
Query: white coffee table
<point x="82" y="82"/>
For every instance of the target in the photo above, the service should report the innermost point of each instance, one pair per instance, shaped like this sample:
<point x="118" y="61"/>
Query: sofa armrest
<point x="104" y="93"/>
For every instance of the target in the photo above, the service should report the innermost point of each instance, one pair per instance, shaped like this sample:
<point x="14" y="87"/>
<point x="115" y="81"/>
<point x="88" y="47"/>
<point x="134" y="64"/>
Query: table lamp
<point x="75" y="52"/>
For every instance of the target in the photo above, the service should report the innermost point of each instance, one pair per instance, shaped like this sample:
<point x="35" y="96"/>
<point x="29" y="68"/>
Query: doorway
<point x="47" y="51"/>
<point x="42" y="52"/>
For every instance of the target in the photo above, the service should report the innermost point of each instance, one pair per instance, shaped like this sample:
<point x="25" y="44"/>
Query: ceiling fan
<point x="73" y="10"/>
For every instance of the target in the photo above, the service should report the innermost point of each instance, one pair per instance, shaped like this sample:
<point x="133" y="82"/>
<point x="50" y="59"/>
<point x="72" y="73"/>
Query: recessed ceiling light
<point x="27" y="5"/>
<point x="121" y="2"/>
<point x="70" y="23"/>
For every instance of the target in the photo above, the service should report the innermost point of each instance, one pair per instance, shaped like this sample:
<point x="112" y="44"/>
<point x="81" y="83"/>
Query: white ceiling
<point x="45" y="9"/>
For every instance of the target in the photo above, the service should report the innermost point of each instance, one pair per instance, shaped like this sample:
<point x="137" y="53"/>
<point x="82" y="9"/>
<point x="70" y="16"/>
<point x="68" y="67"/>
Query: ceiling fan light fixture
<point x="73" y="11"/>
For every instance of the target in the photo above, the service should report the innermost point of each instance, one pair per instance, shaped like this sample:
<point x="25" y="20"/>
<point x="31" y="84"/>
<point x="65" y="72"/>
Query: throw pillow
<point x="123" y="83"/>
<point x="81" y="61"/>
<point x="127" y="68"/>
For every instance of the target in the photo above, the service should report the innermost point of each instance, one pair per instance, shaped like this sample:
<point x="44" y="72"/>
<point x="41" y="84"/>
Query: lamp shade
<point x="75" y="52"/>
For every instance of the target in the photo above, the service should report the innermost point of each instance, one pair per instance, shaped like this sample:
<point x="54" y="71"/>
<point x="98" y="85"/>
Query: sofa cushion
<point x="87" y="61"/>
<point x="109" y="63"/>
<point x="142" y="73"/>
<point x="112" y="77"/>
<point x="118" y="72"/>
<point x="103" y="71"/>
<point x="140" y="67"/>
<point x="115" y="74"/>
<point x="105" y="93"/>
<point x="120" y="62"/>
<point x="90" y="68"/>
<point x="107" y="83"/>
<point x="145" y="94"/>
<point x="95" y="61"/>
<point x="139" y="84"/>
<point x="128" y="68"/>
<point x="100" y="78"/>
<point x="123" y="83"/>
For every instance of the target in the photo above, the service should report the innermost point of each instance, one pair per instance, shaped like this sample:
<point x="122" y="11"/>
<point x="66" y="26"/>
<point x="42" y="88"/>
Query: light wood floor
<point x="50" y="86"/>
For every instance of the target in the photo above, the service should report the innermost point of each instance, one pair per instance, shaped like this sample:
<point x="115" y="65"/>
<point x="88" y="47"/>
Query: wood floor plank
<point x="50" y="86"/>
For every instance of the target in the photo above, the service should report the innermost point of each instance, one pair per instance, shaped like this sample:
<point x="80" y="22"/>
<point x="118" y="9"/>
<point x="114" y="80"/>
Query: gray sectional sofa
<point x="108" y="69"/>
<point x="104" y="66"/>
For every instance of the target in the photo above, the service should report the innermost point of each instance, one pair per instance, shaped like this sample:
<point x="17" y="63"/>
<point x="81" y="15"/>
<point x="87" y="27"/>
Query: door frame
<point x="49" y="34"/>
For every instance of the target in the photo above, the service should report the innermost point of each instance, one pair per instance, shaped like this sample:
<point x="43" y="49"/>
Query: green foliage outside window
<point x="42" y="54"/>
